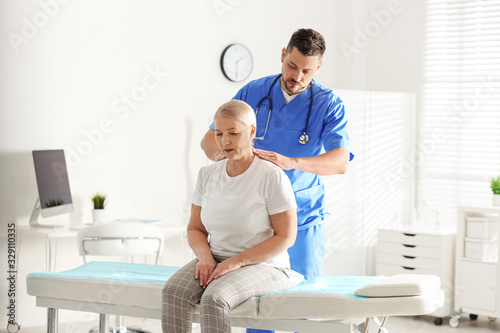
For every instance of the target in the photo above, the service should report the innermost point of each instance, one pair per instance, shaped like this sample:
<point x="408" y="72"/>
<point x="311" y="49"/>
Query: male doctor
<point x="301" y="127"/>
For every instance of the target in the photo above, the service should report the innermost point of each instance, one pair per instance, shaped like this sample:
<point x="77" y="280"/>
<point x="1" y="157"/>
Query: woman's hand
<point x="204" y="268"/>
<point x="223" y="268"/>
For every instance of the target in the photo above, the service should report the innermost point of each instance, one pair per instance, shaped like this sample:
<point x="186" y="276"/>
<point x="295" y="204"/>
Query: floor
<point x="394" y="325"/>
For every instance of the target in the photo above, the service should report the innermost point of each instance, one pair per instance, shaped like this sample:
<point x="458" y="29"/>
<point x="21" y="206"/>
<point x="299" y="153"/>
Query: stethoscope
<point x="303" y="138"/>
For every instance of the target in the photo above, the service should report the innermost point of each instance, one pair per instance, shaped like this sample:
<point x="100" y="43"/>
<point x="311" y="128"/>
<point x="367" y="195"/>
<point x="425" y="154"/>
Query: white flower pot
<point x="496" y="199"/>
<point x="98" y="215"/>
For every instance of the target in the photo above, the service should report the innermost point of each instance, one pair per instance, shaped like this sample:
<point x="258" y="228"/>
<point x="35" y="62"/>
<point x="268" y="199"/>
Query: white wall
<point x="378" y="45"/>
<point x="65" y="89"/>
<point x="64" y="78"/>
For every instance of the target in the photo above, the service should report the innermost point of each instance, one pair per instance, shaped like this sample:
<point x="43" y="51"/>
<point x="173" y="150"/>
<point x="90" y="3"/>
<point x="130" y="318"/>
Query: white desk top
<point x="63" y="232"/>
<point x="67" y="232"/>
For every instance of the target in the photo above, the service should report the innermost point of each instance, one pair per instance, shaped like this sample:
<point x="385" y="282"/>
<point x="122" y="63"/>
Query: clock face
<point x="236" y="62"/>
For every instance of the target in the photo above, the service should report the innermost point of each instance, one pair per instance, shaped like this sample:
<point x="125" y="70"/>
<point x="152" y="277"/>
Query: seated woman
<point x="243" y="220"/>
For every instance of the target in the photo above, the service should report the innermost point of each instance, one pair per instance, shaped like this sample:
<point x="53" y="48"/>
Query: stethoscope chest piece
<point x="304" y="138"/>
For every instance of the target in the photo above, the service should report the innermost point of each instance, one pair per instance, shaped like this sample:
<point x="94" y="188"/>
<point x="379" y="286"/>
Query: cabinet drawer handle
<point x="409" y="268"/>
<point x="411" y="235"/>
<point x="408" y="245"/>
<point x="409" y="257"/>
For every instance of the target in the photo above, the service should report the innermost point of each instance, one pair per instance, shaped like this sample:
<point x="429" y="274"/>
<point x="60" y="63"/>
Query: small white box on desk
<point x="482" y="227"/>
<point x="481" y="249"/>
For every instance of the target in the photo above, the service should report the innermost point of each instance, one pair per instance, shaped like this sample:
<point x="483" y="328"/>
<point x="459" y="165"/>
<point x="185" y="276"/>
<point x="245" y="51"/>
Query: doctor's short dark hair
<point x="308" y="41"/>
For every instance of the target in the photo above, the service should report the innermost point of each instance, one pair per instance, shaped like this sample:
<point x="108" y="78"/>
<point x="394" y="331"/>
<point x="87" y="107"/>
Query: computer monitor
<point x="54" y="195"/>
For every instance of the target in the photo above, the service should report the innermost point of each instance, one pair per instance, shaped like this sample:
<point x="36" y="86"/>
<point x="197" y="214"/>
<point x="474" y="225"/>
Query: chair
<point x="120" y="239"/>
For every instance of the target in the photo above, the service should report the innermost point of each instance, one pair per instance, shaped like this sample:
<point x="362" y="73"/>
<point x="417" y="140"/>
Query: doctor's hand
<point x="223" y="268"/>
<point x="219" y="156"/>
<point x="204" y="269"/>
<point x="285" y="163"/>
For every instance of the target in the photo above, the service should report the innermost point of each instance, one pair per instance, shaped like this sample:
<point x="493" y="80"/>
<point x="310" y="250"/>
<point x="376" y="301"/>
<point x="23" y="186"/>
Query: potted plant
<point x="495" y="187"/>
<point x="99" y="201"/>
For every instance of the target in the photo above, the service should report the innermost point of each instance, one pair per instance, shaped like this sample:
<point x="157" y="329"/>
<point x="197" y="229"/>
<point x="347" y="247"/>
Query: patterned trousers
<point x="182" y="291"/>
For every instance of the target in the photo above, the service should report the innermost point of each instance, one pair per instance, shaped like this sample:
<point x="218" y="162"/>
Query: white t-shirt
<point x="236" y="210"/>
<point x="288" y="98"/>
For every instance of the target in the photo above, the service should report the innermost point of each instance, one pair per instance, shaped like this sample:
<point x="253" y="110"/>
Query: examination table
<point x="323" y="304"/>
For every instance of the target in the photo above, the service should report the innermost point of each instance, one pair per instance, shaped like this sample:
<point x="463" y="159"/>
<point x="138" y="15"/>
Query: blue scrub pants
<point x="306" y="256"/>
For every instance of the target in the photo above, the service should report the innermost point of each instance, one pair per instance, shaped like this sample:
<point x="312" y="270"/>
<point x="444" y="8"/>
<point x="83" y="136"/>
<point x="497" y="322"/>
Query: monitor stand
<point x="36" y="214"/>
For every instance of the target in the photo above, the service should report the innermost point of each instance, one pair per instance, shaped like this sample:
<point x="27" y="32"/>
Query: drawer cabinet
<point x="477" y="279"/>
<point x="409" y="250"/>
<point x="480" y="287"/>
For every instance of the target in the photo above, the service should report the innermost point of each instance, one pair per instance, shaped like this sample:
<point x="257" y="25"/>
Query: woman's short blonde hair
<point x="238" y="110"/>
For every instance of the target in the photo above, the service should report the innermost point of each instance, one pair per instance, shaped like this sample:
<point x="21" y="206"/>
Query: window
<point x="458" y="149"/>
<point x="378" y="189"/>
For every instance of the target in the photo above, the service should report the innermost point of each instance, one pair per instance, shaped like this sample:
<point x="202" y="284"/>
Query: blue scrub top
<point x="326" y="130"/>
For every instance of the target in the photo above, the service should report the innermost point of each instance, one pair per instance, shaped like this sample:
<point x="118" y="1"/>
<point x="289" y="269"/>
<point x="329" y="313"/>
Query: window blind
<point x="378" y="189"/>
<point x="458" y="149"/>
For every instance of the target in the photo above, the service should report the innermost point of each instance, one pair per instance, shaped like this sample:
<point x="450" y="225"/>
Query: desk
<point x="51" y="235"/>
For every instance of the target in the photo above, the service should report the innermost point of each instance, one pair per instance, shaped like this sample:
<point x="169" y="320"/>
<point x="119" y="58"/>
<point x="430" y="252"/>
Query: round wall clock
<point x="236" y="62"/>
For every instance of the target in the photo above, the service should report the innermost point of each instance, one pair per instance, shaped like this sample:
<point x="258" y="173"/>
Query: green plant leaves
<point x="99" y="200"/>
<point x="495" y="185"/>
